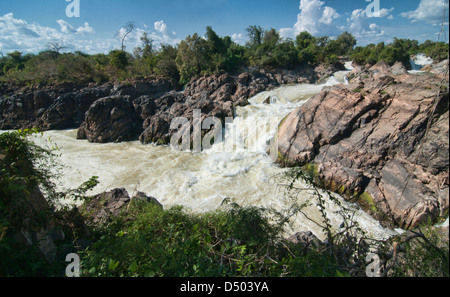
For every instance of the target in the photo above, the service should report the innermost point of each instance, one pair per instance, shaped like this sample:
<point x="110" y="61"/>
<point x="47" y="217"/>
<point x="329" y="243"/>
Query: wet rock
<point x="306" y="239"/>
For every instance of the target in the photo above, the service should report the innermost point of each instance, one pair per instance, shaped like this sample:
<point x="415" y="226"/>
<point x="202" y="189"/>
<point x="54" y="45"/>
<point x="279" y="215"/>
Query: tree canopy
<point x="208" y="54"/>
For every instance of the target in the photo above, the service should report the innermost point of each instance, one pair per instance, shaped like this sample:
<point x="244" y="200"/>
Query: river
<point x="240" y="168"/>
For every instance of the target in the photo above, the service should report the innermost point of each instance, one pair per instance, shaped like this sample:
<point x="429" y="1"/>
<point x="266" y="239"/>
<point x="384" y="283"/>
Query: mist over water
<point x="240" y="168"/>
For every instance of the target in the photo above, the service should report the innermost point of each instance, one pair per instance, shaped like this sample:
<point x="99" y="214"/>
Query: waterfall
<point x="419" y="61"/>
<point x="239" y="168"/>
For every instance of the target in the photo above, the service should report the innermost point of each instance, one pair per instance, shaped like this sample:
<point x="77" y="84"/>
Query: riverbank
<point x="231" y="172"/>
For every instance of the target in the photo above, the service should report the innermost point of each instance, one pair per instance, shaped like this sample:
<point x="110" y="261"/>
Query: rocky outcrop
<point x="68" y="110"/>
<point x="381" y="140"/>
<point x="111" y="119"/>
<point x="64" y="106"/>
<point x="102" y="208"/>
<point x="145" y="109"/>
<point x="215" y="95"/>
<point x="439" y="68"/>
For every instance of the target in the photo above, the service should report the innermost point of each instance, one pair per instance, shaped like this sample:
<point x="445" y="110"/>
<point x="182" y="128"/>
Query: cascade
<point x="239" y="168"/>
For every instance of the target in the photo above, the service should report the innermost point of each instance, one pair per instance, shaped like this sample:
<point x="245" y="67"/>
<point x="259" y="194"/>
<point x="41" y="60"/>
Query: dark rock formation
<point x="155" y="103"/>
<point x="102" y="208"/>
<point x="64" y="106"/>
<point x="382" y="139"/>
<point x="68" y="110"/>
<point x="215" y="95"/>
<point x="111" y="119"/>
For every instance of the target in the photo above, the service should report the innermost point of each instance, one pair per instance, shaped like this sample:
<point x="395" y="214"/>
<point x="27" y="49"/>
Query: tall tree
<point x="271" y="38"/>
<point x="346" y="42"/>
<point x="124" y="32"/>
<point x="216" y="51"/>
<point x="56" y="46"/>
<point x="255" y="34"/>
<point x="191" y="57"/>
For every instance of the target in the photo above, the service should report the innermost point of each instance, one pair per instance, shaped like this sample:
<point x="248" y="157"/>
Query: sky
<point x="89" y="26"/>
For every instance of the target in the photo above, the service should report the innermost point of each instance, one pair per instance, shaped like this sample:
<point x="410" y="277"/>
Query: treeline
<point x="400" y="50"/>
<point x="211" y="54"/>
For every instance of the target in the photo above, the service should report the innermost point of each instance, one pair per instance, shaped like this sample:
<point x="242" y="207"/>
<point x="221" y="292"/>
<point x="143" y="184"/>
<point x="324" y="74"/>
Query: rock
<point x="68" y="110"/>
<point x="111" y="119"/>
<point x="143" y="197"/>
<point x="106" y="205"/>
<point x="153" y="88"/>
<point x="323" y="72"/>
<point x="64" y="106"/>
<point x="215" y="95"/>
<point x="440" y="68"/>
<point x="305" y="239"/>
<point x="368" y="139"/>
<point x="102" y="208"/>
<point x="398" y="69"/>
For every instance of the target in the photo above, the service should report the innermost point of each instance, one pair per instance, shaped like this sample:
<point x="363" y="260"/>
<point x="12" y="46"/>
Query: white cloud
<point x="238" y="38"/>
<point x="329" y="15"/>
<point x="86" y="29"/>
<point x="161" y="27"/>
<point x="315" y="18"/>
<point x="361" y="25"/>
<point x="65" y="27"/>
<point x="19" y="35"/>
<point x="68" y="29"/>
<point x="430" y="11"/>
<point x="384" y="12"/>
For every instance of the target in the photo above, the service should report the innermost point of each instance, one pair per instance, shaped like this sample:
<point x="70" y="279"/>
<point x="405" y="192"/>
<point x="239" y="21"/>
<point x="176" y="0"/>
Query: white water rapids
<point x="201" y="181"/>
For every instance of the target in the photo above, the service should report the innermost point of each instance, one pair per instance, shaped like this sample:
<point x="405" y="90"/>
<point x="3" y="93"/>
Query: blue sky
<point x="29" y="25"/>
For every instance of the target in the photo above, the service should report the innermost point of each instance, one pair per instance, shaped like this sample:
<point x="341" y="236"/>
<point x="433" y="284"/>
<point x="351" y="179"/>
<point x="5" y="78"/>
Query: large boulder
<point x="382" y="139"/>
<point x="111" y="119"/>
<point x="68" y="110"/>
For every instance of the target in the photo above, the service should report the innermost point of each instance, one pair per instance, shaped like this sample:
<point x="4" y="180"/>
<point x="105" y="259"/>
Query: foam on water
<point x="240" y="168"/>
<point x="418" y="62"/>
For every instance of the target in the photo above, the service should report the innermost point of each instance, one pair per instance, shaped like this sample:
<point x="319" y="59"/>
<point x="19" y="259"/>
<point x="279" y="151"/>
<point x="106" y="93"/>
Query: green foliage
<point x="239" y="241"/>
<point x="118" y="59"/>
<point x="438" y="51"/>
<point x="21" y="172"/>
<point x="231" y="241"/>
<point x="399" y="51"/>
<point x="191" y="57"/>
<point x="205" y="55"/>
<point x="26" y="167"/>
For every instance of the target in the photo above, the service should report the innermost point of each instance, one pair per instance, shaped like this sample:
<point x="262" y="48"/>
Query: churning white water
<point x="240" y="168"/>
<point x="419" y="61"/>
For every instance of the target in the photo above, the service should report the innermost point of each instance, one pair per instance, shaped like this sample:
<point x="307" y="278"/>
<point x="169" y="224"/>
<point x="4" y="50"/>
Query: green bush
<point x="146" y="240"/>
<point x="150" y="241"/>
<point x="118" y="59"/>
<point x="20" y="174"/>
